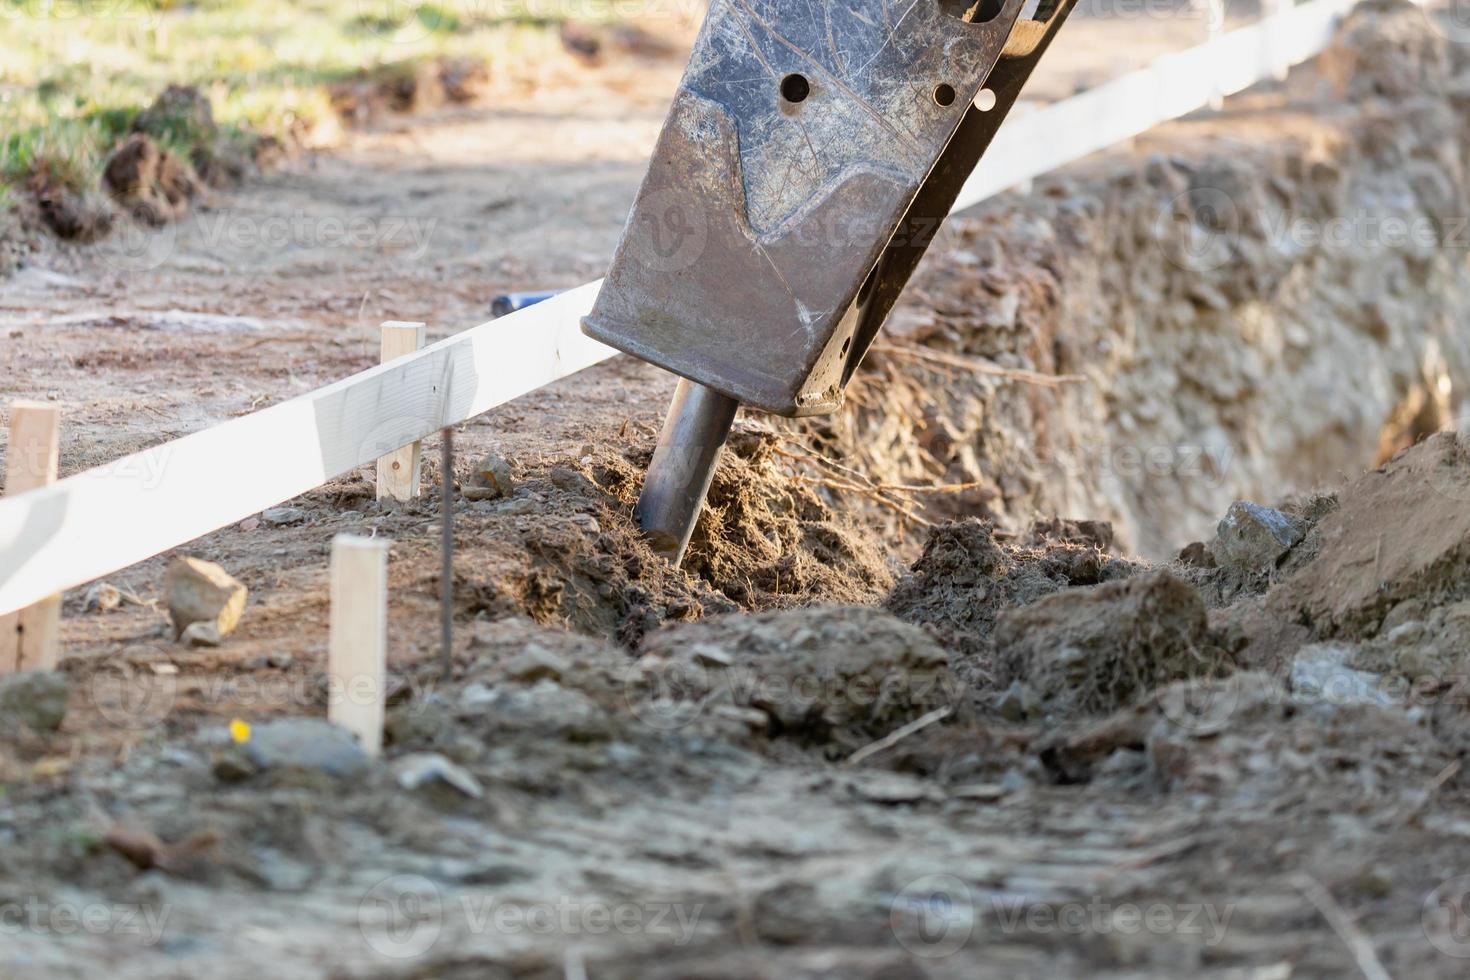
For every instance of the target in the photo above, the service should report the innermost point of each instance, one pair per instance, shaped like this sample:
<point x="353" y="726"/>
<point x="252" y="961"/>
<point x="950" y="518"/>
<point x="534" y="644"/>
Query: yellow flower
<point x="240" y="731"/>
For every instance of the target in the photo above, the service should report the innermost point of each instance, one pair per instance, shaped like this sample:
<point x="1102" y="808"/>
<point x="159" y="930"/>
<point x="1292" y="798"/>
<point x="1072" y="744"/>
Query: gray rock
<point x="313" y="744"/>
<point x="103" y="597"/>
<point x="492" y="479"/>
<point x="283" y="516"/>
<point x="426" y="769"/>
<point x="1254" y="538"/>
<point x="536" y="663"/>
<point x="201" y="635"/>
<point x="202" y="592"/>
<point x="1018" y="703"/>
<point x="36" y="697"/>
<point x="1320" y="675"/>
<point x="587" y="523"/>
<point x="545" y="709"/>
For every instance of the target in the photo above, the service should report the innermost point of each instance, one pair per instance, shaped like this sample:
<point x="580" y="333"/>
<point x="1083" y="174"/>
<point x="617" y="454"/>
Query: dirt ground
<point x="1007" y="730"/>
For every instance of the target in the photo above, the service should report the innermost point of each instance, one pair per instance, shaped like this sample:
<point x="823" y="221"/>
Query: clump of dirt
<point x="1399" y="534"/>
<point x="1211" y="736"/>
<point x="16" y="242"/>
<point x="220" y="157"/>
<point x="1387" y="49"/>
<point x="764" y="541"/>
<point x="842" y="674"/>
<point x="70" y="214"/>
<point x="408" y="86"/>
<point x="1092" y="651"/>
<point x="966" y="578"/>
<point x="153" y="186"/>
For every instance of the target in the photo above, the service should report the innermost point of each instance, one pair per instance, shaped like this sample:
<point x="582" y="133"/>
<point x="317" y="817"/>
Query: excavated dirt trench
<point x="1273" y="298"/>
<point x="872" y="732"/>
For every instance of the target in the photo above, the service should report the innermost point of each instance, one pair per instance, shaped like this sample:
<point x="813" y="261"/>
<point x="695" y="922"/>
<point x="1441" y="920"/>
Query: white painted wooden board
<point x="1173" y="86"/>
<point x="108" y="518"/>
<point x="105" y="519"/>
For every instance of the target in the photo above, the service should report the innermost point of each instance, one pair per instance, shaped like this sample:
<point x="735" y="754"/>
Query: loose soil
<point x="865" y="732"/>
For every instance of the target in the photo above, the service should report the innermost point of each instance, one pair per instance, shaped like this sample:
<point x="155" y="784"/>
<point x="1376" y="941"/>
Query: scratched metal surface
<point x="761" y="217"/>
<point x="872" y="67"/>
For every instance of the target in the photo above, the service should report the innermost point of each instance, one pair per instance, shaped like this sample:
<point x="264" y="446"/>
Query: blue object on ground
<point x="511" y="302"/>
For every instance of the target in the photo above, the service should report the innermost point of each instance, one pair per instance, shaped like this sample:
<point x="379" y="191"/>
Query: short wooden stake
<point x="31" y="638"/>
<point x="357" y="655"/>
<point x="398" y="472"/>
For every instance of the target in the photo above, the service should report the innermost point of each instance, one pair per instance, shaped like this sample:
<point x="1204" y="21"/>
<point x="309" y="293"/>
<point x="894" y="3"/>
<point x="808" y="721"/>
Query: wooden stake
<point x="357" y="657"/>
<point x="398" y="472"/>
<point x="31" y="638"/>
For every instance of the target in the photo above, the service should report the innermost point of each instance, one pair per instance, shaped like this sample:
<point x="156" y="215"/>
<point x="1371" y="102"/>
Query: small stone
<point x="587" y="523"/>
<point x="202" y="592"/>
<point x="1197" y="555"/>
<point x="201" y="635"/>
<point x="710" y="655"/>
<point x="250" y="524"/>
<point x="891" y="788"/>
<point x="536" y="663"/>
<point x="1320" y="675"/>
<point x="1017" y="703"/>
<point x="492" y="479"/>
<point x="424" y="769"/>
<point x="1254" y="538"/>
<point x="568" y="479"/>
<point x="306" y="743"/>
<point x="103" y="597"/>
<point x="283" y="516"/>
<point x="36" y="697"/>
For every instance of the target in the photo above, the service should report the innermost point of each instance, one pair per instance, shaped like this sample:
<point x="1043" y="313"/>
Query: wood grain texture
<point x="116" y="515"/>
<point x="399" y="471"/>
<point x="357" y="652"/>
<point x="30" y="638"/>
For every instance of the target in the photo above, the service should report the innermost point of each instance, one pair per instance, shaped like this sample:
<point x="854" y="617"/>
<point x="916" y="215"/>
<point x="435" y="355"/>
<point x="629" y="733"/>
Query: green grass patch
<point x="75" y="72"/>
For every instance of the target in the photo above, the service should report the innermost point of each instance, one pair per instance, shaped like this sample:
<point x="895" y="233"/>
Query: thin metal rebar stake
<point x="683" y="465"/>
<point x="446" y="557"/>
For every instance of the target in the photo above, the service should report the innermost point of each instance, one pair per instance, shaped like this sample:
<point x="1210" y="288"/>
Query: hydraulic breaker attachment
<point x="811" y="153"/>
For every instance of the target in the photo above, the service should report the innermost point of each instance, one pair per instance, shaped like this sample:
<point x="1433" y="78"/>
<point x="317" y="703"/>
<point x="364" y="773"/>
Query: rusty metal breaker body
<point x="810" y="155"/>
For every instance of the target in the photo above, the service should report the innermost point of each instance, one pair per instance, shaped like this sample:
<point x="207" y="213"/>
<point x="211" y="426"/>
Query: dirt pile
<point x="1399" y="535"/>
<point x="966" y="579"/>
<point x="151" y="185"/>
<point x="409" y="86"/>
<point x="1096" y="651"/>
<point x="69" y="213"/>
<point x="564" y="548"/>
<point x="841" y="674"/>
<point x="1209" y="294"/>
